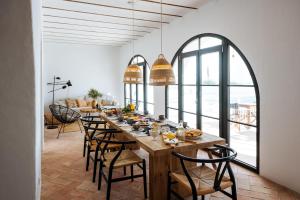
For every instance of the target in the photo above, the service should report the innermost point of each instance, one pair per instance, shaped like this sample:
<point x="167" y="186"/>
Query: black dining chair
<point x="124" y="157"/>
<point x="65" y="116"/>
<point x="202" y="180"/>
<point x="91" y="121"/>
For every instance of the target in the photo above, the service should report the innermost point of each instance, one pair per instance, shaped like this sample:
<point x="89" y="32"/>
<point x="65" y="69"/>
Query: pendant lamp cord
<point x="161" y="35"/>
<point x="133" y="28"/>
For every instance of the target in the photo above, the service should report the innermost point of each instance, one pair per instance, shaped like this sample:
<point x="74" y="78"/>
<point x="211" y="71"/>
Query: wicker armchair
<point x="64" y="115"/>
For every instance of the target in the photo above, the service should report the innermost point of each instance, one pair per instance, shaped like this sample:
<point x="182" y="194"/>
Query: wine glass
<point x="154" y="134"/>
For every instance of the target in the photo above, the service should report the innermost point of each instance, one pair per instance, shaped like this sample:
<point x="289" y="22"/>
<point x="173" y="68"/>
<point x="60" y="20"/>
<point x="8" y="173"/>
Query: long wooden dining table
<point x="161" y="160"/>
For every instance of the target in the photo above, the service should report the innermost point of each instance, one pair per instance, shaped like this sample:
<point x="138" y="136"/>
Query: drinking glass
<point x="154" y="134"/>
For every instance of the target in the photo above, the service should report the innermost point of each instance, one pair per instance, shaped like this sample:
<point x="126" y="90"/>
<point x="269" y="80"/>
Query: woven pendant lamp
<point x="161" y="73"/>
<point x="133" y="75"/>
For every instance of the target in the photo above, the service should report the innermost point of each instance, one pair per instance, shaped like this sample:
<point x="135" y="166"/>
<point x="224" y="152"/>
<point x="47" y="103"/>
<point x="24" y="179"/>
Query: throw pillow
<point x="71" y="103"/>
<point x="81" y="103"/>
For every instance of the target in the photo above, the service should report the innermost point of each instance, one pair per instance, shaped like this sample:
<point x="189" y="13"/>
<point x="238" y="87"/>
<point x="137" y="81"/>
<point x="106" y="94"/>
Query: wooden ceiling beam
<point x="91" y="31"/>
<point x="78" y="42"/>
<point x="123" y="8"/>
<point x="106" y="15"/>
<point x="81" y="39"/>
<point x="76" y="34"/>
<point x="100" y="21"/>
<point x="105" y="27"/>
<point x="170" y="4"/>
<point x="74" y="37"/>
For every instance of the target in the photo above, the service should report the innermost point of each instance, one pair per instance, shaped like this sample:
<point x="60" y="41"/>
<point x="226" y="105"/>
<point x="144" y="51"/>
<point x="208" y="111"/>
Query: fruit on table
<point x="171" y="135"/>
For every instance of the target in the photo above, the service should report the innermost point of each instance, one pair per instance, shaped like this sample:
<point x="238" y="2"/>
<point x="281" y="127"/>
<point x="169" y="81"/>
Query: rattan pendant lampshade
<point x="133" y="75"/>
<point x="161" y="73"/>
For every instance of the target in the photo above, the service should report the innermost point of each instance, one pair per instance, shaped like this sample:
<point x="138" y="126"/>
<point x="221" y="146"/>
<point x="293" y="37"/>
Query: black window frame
<point x="224" y="85"/>
<point x="144" y="64"/>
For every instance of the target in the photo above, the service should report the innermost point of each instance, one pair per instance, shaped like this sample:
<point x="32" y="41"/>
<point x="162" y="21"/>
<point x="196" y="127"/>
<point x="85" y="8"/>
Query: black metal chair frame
<point x="88" y="121"/>
<point x="62" y="116"/>
<point x="96" y="132"/>
<point x="226" y="156"/>
<point x="109" y="178"/>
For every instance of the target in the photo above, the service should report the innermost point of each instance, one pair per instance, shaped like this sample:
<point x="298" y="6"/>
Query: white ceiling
<point x="107" y="22"/>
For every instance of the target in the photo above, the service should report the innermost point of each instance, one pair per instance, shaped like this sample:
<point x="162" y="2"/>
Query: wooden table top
<point x="158" y="146"/>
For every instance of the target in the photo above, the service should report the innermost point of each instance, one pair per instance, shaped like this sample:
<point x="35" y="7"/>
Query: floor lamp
<point x="62" y="85"/>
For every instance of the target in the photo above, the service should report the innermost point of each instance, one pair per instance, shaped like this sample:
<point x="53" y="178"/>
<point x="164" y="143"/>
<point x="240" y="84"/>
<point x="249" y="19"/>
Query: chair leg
<point x="131" y="172"/>
<point x="88" y="158"/>
<point x="233" y="190"/>
<point x="59" y="131"/>
<point x="145" y="179"/>
<point x="109" y="184"/>
<point x="169" y="188"/>
<point x="84" y="146"/>
<point x="202" y="197"/>
<point x="100" y="175"/>
<point x="95" y="165"/>
<point x="79" y="126"/>
<point x="124" y="170"/>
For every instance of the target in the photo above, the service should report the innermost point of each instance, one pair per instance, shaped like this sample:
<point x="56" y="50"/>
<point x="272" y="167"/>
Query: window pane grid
<point x="210" y="68"/>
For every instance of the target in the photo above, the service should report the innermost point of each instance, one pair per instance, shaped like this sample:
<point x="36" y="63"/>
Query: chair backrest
<point x="106" y="140"/>
<point x="64" y="114"/>
<point x="226" y="155"/>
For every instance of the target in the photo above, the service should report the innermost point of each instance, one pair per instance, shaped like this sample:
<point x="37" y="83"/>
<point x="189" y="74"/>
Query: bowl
<point x="136" y="127"/>
<point x="120" y="118"/>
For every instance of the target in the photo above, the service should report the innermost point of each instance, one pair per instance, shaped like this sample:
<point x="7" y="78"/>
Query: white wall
<point x="20" y="81"/>
<point x="267" y="32"/>
<point x="87" y="66"/>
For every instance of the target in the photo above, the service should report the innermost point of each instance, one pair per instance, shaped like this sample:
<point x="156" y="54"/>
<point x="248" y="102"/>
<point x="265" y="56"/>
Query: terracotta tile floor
<point x="64" y="176"/>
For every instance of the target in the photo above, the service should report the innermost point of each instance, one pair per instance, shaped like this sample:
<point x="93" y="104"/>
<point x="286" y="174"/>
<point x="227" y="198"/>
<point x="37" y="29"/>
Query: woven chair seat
<point x="126" y="158"/>
<point x="93" y="144"/>
<point x="203" y="178"/>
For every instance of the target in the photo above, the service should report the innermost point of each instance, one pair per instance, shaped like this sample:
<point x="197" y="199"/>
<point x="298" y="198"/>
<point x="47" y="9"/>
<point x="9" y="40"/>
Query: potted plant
<point x="94" y="94"/>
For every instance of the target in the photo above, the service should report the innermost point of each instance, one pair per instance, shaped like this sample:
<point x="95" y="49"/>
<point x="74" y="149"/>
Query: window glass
<point x="173" y="115"/>
<point x="210" y="126"/>
<point x="189" y="70"/>
<point x="189" y="99"/>
<point x="190" y="119"/>
<point x="192" y="46"/>
<point x="141" y="92"/>
<point x="133" y="91"/>
<point x="204" y="92"/>
<point x="210" y="68"/>
<point x="150" y="108"/>
<point x="210" y="101"/>
<point x="150" y="94"/>
<point x="127" y="87"/>
<point x="243" y="105"/>
<point x="206" y="42"/>
<point x="243" y="140"/>
<point x="173" y="96"/>
<point x="175" y="69"/>
<point x="239" y="73"/>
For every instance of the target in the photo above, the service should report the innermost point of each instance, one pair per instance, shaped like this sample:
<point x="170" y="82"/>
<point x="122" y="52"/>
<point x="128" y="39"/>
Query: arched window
<point x="140" y="94"/>
<point x="217" y="92"/>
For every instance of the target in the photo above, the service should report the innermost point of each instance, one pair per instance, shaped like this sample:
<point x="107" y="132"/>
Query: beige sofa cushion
<point x="71" y="103"/>
<point x="81" y="103"/>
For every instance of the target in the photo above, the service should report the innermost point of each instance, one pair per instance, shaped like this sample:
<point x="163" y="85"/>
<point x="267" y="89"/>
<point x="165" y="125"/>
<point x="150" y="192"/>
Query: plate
<point x="172" y="141"/>
<point x="193" y="137"/>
